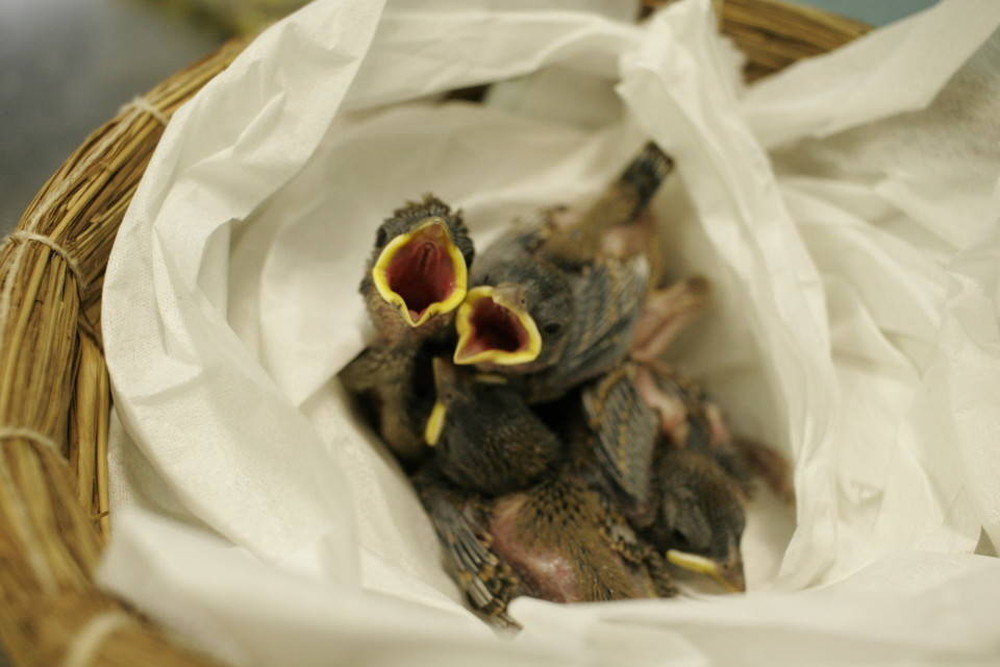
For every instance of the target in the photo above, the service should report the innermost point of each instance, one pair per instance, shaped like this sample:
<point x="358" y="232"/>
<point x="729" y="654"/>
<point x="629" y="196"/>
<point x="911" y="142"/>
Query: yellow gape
<point x="494" y="329"/>
<point x="422" y="273"/>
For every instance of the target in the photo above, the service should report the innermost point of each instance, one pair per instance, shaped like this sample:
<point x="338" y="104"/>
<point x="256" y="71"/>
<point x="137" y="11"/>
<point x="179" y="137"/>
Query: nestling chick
<point x="705" y="477"/>
<point x="548" y="305"/>
<point x="691" y="420"/>
<point x="624" y="419"/>
<point x="394" y="385"/>
<point x="416" y="277"/>
<point x="485" y="438"/>
<point x="679" y="499"/>
<point x="418" y="271"/>
<point x="559" y="540"/>
<point x="701" y="516"/>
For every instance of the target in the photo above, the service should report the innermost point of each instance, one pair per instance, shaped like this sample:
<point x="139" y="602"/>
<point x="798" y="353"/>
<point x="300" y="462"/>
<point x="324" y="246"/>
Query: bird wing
<point x="625" y="430"/>
<point x="488" y="581"/>
<point x="607" y="297"/>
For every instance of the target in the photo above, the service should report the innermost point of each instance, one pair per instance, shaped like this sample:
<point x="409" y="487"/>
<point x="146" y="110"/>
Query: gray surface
<point x="875" y="12"/>
<point x="67" y="66"/>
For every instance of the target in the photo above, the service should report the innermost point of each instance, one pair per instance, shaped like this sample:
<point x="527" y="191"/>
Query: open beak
<point x="729" y="574"/>
<point x="423" y="273"/>
<point x="493" y="327"/>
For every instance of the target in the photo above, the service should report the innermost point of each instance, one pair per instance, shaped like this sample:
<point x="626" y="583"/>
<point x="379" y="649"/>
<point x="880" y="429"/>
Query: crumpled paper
<point x="844" y="210"/>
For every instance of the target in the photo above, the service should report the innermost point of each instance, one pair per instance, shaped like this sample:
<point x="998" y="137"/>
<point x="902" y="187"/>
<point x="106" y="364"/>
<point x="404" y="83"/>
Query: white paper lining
<point x="853" y="323"/>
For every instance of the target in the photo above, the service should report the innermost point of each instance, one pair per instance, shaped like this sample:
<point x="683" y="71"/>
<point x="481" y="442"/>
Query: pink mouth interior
<point x="494" y="327"/>
<point x="421" y="272"/>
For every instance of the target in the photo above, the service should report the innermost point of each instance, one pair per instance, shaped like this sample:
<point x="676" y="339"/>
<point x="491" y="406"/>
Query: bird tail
<point x="620" y="204"/>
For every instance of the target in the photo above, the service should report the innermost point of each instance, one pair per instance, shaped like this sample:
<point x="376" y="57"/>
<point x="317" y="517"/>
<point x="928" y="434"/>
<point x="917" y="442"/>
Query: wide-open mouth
<point x="491" y="329"/>
<point x="422" y="272"/>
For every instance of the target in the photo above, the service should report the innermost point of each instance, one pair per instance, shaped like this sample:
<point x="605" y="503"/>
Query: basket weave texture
<point x="54" y="393"/>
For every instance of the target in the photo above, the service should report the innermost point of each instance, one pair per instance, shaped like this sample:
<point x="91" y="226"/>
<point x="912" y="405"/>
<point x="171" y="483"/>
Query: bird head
<point x="701" y="518"/>
<point x="419" y="266"/>
<point x="516" y="319"/>
<point x="460" y="393"/>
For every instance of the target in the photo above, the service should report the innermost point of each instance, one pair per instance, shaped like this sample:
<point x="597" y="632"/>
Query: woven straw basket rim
<point x="54" y="391"/>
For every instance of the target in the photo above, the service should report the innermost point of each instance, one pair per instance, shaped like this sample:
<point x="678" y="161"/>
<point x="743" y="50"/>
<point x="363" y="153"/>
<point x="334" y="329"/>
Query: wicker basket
<point x="54" y="393"/>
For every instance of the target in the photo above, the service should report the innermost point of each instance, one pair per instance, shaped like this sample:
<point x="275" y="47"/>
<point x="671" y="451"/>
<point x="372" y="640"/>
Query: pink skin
<point x="636" y="238"/>
<point x="665" y="314"/>
<point x="720" y="434"/>
<point x="562" y="217"/>
<point x="671" y="409"/>
<point x="548" y="574"/>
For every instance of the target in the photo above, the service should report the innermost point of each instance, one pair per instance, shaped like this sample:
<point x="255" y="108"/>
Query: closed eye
<point x="679" y="540"/>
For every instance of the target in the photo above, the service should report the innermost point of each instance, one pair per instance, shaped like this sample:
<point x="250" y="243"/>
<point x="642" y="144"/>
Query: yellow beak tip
<point x="702" y="565"/>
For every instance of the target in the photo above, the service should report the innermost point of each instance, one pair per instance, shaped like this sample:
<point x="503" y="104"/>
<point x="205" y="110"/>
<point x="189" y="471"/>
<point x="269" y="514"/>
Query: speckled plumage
<point x="491" y="442"/>
<point x="586" y="303"/>
<point x="559" y="540"/>
<point x="625" y="435"/>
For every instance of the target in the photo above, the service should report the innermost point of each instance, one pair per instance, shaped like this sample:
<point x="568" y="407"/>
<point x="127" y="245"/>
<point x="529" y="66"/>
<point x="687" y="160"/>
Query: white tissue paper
<point x="845" y="211"/>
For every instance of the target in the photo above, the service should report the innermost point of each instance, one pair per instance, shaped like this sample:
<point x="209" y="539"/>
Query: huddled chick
<point x="555" y="454"/>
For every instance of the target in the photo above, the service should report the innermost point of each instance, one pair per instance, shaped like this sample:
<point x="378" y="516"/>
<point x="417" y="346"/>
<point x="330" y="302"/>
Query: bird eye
<point x="679" y="540"/>
<point x="380" y="236"/>
<point x="552" y="328"/>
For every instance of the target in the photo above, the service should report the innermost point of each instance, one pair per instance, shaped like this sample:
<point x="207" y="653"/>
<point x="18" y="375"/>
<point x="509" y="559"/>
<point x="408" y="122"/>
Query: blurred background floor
<point x="68" y="65"/>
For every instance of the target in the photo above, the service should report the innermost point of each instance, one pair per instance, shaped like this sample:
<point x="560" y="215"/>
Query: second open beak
<point x="494" y="327"/>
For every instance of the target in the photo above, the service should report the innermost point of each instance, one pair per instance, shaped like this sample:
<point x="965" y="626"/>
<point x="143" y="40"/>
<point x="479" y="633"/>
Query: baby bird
<point x="700" y="517"/>
<point x="691" y="420"/>
<point x="559" y="540"/>
<point x="678" y="498"/>
<point x="485" y="437"/>
<point x="418" y="271"/>
<point x="547" y="304"/>
<point x="394" y="386"/>
<point x="415" y="279"/>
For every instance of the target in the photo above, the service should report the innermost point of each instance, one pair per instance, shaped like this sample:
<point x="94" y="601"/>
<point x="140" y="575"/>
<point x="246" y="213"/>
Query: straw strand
<point x="74" y="266"/>
<point x="21" y="523"/>
<point x="88" y="640"/>
<point x="140" y="103"/>
<point x="9" y="433"/>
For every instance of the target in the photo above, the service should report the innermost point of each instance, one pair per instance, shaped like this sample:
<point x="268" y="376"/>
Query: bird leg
<point x="665" y="314"/>
<point x="768" y="464"/>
